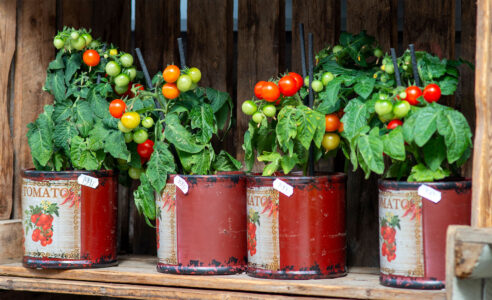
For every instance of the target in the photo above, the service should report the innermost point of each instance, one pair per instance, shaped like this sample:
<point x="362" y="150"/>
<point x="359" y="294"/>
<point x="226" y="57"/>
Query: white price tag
<point x="429" y="193"/>
<point x="181" y="183"/>
<point x="88" y="181"/>
<point x="283" y="187"/>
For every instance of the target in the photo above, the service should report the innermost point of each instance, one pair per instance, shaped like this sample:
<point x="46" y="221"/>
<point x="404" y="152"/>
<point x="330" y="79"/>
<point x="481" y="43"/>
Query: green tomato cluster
<point x="72" y="39"/>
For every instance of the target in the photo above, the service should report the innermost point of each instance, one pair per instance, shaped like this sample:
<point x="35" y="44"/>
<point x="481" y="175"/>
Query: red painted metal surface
<point x="207" y="225"/>
<point x="91" y="214"/>
<point x="308" y="227"/>
<point x="454" y="208"/>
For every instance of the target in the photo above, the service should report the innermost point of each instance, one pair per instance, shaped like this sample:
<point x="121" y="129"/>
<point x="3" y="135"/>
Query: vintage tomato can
<point x="68" y="225"/>
<point x="412" y="238"/>
<point x="296" y="236"/>
<point x="202" y="231"/>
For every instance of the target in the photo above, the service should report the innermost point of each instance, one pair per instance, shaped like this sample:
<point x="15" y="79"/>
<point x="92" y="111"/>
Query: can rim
<point x="31" y="172"/>
<point x="446" y="184"/>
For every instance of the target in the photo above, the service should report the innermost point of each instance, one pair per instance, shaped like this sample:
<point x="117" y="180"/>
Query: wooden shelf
<point x="136" y="277"/>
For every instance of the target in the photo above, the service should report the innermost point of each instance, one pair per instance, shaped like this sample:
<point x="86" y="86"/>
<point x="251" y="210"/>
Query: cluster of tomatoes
<point x="43" y="232"/>
<point x="72" y="39"/>
<point x="135" y="129"/>
<point x="251" y="238"/>
<point x="271" y="92"/>
<point x="331" y="139"/>
<point x="320" y="81"/>
<point x="179" y="81"/>
<point x="392" y="111"/>
<point x="388" y="248"/>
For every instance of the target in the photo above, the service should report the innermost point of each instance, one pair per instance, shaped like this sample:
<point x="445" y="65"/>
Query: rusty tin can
<point x="412" y="238"/>
<point x="68" y="225"/>
<point x="301" y="236"/>
<point x="202" y="232"/>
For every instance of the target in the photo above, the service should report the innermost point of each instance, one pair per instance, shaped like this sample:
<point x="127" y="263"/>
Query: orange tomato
<point x="332" y="122"/>
<point x="171" y="73"/>
<point x="340" y="129"/>
<point x="170" y="91"/>
<point x="270" y="92"/>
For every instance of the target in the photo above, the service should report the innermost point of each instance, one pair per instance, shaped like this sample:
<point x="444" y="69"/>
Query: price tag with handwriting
<point x="181" y="184"/>
<point x="283" y="187"/>
<point x="88" y="181"/>
<point x="429" y="193"/>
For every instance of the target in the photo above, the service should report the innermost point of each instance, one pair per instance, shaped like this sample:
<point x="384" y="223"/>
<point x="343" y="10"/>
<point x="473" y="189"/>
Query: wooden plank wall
<point x="228" y="62"/>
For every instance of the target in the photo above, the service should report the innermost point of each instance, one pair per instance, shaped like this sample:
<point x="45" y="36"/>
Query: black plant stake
<point x="395" y="64"/>
<point x="303" y="53"/>
<point x="311" y="97"/>
<point x="181" y="53"/>
<point x="414" y="65"/>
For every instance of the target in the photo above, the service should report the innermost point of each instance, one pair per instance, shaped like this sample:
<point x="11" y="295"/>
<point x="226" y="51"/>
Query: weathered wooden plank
<point x="322" y="18"/>
<point x="11" y="239"/>
<point x="7" y="39"/>
<point x="465" y="100"/>
<point x="378" y="18"/>
<point x="260" y="47"/>
<point x="141" y="271"/>
<point x="36" y="25"/>
<point x="151" y="19"/>
<point x="15" y="295"/>
<point x="482" y="164"/>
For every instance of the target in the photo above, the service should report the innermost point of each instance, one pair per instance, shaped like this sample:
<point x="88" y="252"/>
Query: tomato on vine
<point x="170" y="91"/>
<point x="147" y="122"/>
<point x="249" y="107"/>
<point x="258" y="89"/>
<point x="287" y="86"/>
<point x="298" y="79"/>
<point x="140" y="136"/>
<point x="383" y="107"/>
<point x="122" y="127"/>
<point x="184" y="83"/>
<point x="258" y="117"/>
<point x="171" y="73"/>
<point x="91" y="58"/>
<point x="117" y="108"/>
<point x="130" y="119"/>
<point x="332" y="123"/>
<point x="270" y="92"/>
<point x="330" y="141"/>
<point x="269" y="110"/>
<point x="401" y="109"/>
<point x="145" y="149"/>
<point x="317" y="86"/>
<point x="112" y="68"/>
<point x="135" y="173"/>
<point x="432" y="93"/>
<point x="413" y="93"/>
<point x="126" y="60"/>
<point x="195" y="74"/>
<point x="394" y="123"/>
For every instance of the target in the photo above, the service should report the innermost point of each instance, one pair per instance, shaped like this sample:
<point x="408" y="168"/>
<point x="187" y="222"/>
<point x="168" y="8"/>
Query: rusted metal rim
<point x="34" y="174"/>
<point x="298" y="178"/>
<point x="450" y="184"/>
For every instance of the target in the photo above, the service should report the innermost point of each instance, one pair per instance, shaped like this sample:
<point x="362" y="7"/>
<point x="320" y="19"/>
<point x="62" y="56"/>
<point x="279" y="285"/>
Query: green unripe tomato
<point x="147" y="122"/>
<point x="306" y="81"/>
<point x="128" y="137"/>
<point x="269" y="110"/>
<point x="140" y="136"/>
<point x="58" y="42"/>
<point x="378" y="52"/>
<point x="383" y="96"/>
<point x="126" y="60"/>
<point x="327" y="77"/>
<point x="94" y="44"/>
<point x="402" y="95"/>
<point x="78" y="44"/>
<point x="88" y="38"/>
<point x="120" y="90"/>
<point x="131" y="72"/>
<point x="74" y="35"/>
<point x="337" y="49"/>
<point x="195" y="74"/>
<point x="389" y="68"/>
<point x="113" y="68"/>
<point x="135" y="173"/>
<point x="258" y="117"/>
<point x="122" y="128"/>
<point x="249" y="107"/>
<point x="317" y="86"/>
<point x="401" y="109"/>
<point x="387" y="117"/>
<point x="122" y="80"/>
<point x="383" y="107"/>
<point x="384" y="78"/>
<point x="184" y="83"/>
<point x="123" y="164"/>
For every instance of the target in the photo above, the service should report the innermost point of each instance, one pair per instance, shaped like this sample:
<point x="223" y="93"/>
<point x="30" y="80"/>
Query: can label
<point x="51" y="218"/>
<point x="166" y="226"/>
<point x="400" y="238"/>
<point x="263" y="237"/>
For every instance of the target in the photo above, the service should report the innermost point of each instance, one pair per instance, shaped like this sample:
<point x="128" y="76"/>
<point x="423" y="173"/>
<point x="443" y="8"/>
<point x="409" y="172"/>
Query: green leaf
<point x="202" y="117"/>
<point x="355" y="118"/>
<point x="181" y="138"/>
<point x="85" y="120"/>
<point x="40" y="136"/>
<point x="161" y="164"/>
<point x="307" y="122"/>
<point x="249" y="158"/>
<point x="288" y="162"/>
<point x="74" y="62"/>
<point x="144" y="197"/>
<point x="62" y="112"/>
<point x="98" y="104"/>
<point x="58" y="62"/>
<point x="82" y="157"/>
<point x="115" y="145"/>
<point x="434" y="152"/>
<point x="365" y="86"/>
<point x="286" y="129"/>
<point x="225" y="162"/>
<point x="431" y="67"/>
<point x="452" y="125"/>
<point x="371" y="149"/>
<point x="196" y="163"/>
<point x="329" y="96"/>
<point x="217" y="98"/>
<point x="63" y="134"/>
<point x="448" y="85"/>
<point x="425" y="124"/>
<point x="421" y="173"/>
<point x="59" y="88"/>
<point x="394" y="145"/>
<point x="97" y="137"/>
<point x="273" y="158"/>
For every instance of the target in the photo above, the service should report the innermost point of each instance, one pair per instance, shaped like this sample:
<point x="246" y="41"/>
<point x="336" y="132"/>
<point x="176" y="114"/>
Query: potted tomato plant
<point x="418" y="145"/>
<point x="70" y="199"/>
<point x="200" y="213"/>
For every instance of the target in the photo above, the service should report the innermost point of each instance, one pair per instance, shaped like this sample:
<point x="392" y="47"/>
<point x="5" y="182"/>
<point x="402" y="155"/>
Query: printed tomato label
<point x="51" y="218"/>
<point x="166" y="225"/>
<point x="400" y="238"/>
<point x="263" y="239"/>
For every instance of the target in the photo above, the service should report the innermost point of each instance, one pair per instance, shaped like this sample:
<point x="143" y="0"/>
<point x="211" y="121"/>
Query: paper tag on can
<point x="88" y="181"/>
<point x="181" y="184"/>
<point x="283" y="187"/>
<point x="429" y="193"/>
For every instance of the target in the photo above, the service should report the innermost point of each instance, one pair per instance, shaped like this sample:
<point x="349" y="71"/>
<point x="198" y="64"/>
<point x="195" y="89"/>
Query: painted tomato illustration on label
<point x="40" y="221"/>
<point x="389" y="224"/>
<point x="253" y="220"/>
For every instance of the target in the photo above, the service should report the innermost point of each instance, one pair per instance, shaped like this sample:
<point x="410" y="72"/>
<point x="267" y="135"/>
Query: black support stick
<point x="303" y="50"/>
<point x="311" y="97"/>
<point x="181" y="53"/>
<point x="414" y="65"/>
<point x="147" y="79"/>
<point x="395" y="65"/>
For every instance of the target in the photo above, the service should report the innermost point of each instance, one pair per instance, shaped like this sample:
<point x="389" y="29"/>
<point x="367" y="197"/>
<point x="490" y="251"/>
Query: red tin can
<point x="413" y="231"/>
<point x="202" y="232"/>
<point x="68" y="225"/>
<point x="301" y="236"/>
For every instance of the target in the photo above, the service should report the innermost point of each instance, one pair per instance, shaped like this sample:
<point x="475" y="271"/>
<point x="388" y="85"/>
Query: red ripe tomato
<point x="258" y="88"/>
<point x="393" y="124"/>
<point x="432" y="93"/>
<point x="35" y="235"/>
<point x="44" y="243"/>
<point x="117" y="108"/>
<point x="384" y="249"/>
<point x="332" y="123"/>
<point x="413" y="93"/>
<point x="270" y="92"/>
<point x="43" y="219"/>
<point x="287" y="86"/>
<point x="298" y="79"/>
<point x="49" y="241"/>
<point x="34" y="218"/>
<point x="91" y="58"/>
<point x="145" y="149"/>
